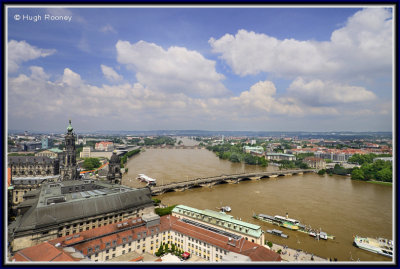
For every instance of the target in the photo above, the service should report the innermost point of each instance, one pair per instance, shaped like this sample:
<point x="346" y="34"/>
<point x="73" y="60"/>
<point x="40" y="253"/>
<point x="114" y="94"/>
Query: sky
<point x="212" y="68"/>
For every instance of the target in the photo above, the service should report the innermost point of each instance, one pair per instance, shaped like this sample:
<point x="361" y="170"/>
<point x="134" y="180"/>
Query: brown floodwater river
<point x="336" y="204"/>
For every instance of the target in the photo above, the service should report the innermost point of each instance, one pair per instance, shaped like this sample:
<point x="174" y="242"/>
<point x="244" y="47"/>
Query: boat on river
<point x="226" y="209"/>
<point x="379" y="245"/>
<point x="147" y="179"/>
<point x="285" y="222"/>
<point x="278" y="233"/>
<point x="292" y="224"/>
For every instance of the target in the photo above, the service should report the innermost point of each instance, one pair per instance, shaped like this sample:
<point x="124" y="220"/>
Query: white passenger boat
<point x="148" y="180"/>
<point x="380" y="245"/>
<point x="226" y="209"/>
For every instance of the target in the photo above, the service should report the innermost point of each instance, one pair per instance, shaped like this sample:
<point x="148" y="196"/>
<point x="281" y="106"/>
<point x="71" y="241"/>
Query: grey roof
<point x="32" y="180"/>
<point x="54" y="208"/>
<point x="29" y="159"/>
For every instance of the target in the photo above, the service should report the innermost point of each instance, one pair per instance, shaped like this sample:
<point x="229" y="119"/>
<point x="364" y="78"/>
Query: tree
<point x="339" y="170"/>
<point x="357" y="173"/>
<point x="160" y="251"/>
<point x="384" y="175"/>
<point x="234" y="158"/>
<point x="91" y="163"/>
<point x="301" y="156"/>
<point x="321" y="172"/>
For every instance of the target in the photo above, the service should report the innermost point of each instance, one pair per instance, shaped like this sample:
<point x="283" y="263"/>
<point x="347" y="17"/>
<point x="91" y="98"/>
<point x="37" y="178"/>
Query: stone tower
<point x="114" y="169"/>
<point x="69" y="168"/>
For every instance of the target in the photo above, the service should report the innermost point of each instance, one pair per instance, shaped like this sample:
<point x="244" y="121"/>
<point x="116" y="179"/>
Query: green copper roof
<point x="56" y="150"/>
<point x="69" y="128"/>
<point x="221" y="219"/>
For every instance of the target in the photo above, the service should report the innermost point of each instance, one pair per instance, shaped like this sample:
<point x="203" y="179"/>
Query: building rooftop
<point x="55" y="150"/>
<point x="30" y="159"/>
<point x="45" y="252"/>
<point x="59" y="202"/>
<point x="254" y="230"/>
<point x="100" y="238"/>
<point x="279" y="154"/>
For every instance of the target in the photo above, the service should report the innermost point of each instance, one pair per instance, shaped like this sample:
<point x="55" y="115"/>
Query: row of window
<point x="195" y="244"/>
<point x="31" y="172"/>
<point x="209" y="219"/>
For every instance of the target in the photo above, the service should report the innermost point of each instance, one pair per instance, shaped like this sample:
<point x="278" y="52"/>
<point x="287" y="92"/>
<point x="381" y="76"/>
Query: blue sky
<point x="260" y="69"/>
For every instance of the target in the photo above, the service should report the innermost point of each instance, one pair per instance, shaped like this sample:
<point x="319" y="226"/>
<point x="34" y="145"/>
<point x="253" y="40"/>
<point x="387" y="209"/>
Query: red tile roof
<point x="109" y="233"/>
<point x="44" y="252"/>
<point x="242" y="246"/>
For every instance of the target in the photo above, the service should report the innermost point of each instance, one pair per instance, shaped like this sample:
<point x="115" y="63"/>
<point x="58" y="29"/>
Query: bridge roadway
<point x="223" y="179"/>
<point x="174" y="147"/>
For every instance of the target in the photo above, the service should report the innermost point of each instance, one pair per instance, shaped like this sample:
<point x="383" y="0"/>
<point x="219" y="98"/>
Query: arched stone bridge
<point x="223" y="179"/>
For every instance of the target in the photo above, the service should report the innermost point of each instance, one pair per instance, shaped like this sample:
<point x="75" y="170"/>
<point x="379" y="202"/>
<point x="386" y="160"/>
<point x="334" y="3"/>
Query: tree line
<point x="124" y="159"/>
<point x="379" y="170"/>
<point x="234" y="153"/>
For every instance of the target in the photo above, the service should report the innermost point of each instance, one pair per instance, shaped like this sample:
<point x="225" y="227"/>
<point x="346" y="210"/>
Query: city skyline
<point x="217" y="69"/>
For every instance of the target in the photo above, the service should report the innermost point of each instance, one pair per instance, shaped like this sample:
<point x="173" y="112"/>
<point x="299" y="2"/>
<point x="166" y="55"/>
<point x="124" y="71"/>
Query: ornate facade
<point x="69" y="168"/>
<point x="114" y="169"/>
<point x="33" y="166"/>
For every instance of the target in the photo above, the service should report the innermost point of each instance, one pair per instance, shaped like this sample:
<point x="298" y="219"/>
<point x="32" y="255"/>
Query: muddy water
<point x="336" y="204"/>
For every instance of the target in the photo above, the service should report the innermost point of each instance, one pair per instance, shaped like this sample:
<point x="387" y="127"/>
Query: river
<point x="336" y="204"/>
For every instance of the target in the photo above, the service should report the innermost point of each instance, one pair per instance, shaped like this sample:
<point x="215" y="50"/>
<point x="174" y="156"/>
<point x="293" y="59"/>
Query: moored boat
<point x="278" y="233"/>
<point x="380" y="245"/>
<point x="293" y="224"/>
<point x="148" y="180"/>
<point x="226" y="209"/>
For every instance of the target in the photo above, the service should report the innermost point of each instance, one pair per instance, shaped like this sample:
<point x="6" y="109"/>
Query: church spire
<point x="69" y="128"/>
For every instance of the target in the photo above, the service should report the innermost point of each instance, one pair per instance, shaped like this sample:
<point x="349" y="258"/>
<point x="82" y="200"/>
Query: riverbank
<point x="296" y="255"/>
<point x="368" y="181"/>
<point x="380" y="183"/>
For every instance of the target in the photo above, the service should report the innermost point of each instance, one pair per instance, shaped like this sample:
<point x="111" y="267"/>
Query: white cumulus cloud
<point x="317" y="92"/>
<point x="174" y="70"/>
<point x="362" y="48"/>
<point x="21" y="51"/>
<point x="36" y="97"/>
<point x="110" y="73"/>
